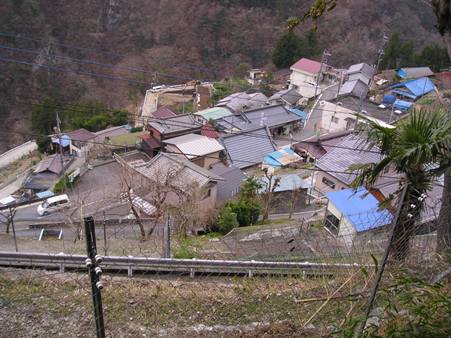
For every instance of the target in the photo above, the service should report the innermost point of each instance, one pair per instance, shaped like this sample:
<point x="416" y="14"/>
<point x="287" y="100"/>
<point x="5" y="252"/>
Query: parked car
<point x="52" y="204"/>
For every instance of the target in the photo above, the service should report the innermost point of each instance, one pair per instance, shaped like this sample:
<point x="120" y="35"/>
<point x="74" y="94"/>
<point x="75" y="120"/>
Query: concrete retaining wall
<point x="16" y="153"/>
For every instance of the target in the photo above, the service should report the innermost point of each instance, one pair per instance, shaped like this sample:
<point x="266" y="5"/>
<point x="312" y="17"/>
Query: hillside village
<point x="225" y="169"/>
<point x="297" y="144"/>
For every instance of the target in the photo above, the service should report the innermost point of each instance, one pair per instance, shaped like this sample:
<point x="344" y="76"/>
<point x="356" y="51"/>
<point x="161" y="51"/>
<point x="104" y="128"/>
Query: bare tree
<point x="271" y="185"/>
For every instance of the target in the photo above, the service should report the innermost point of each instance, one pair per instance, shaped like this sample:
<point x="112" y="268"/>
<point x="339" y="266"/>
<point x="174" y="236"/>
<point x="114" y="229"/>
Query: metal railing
<point x="169" y="265"/>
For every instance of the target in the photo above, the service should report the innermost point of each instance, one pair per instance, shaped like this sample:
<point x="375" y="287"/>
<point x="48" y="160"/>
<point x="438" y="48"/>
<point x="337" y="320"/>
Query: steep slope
<point x="172" y="40"/>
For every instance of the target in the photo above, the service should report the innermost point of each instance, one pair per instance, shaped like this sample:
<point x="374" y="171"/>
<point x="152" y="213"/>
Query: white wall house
<point x="304" y="75"/>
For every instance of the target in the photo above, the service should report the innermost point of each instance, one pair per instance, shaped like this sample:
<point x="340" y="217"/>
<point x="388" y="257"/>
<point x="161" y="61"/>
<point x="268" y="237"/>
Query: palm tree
<point x="417" y="144"/>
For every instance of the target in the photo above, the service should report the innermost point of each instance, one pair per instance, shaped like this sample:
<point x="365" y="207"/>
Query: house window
<point x="334" y="119"/>
<point x="332" y="224"/>
<point x="328" y="182"/>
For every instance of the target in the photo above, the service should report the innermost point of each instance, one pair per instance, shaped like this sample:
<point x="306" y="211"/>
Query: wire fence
<point x="214" y="285"/>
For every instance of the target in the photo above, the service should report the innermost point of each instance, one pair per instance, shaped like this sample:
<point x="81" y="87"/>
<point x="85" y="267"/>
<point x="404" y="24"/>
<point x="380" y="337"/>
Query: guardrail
<point x="63" y="262"/>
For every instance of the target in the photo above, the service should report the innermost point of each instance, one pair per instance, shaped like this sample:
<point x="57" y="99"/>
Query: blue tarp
<point x="402" y="105"/>
<point x="401" y="73"/>
<point x="360" y="208"/>
<point x="390" y="99"/>
<point x="302" y="114"/>
<point x="281" y="157"/>
<point x="414" y="88"/>
<point x="65" y="140"/>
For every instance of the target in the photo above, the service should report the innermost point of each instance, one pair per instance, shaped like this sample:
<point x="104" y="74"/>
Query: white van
<point x="53" y="204"/>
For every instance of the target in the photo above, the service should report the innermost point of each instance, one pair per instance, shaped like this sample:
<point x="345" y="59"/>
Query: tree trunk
<point x="405" y="226"/>
<point x="444" y="219"/>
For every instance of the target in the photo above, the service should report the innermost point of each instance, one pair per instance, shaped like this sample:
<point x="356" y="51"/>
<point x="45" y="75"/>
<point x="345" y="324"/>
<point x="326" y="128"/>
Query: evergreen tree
<point x="288" y="50"/>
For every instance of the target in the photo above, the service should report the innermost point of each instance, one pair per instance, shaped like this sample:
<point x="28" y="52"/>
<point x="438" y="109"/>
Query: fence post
<point x="167" y="238"/>
<point x="359" y="328"/>
<point x="13" y="227"/>
<point x="94" y="270"/>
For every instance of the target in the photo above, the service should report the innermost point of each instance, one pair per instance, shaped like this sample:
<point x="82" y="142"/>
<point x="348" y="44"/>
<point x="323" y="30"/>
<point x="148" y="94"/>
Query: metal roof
<point x="249" y="147"/>
<point x="360" y="208"/>
<point x="163" y="112"/>
<point x="214" y="113"/>
<point x="270" y="116"/>
<point x="354" y="87"/>
<point x="286" y="183"/>
<point x="193" y="145"/>
<point x="81" y="135"/>
<point x="414" y="72"/>
<point x="53" y="164"/>
<point x="291" y="96"/>
<point x="351" y="150"/>
<point x="177" y="123"/>
<point x="307" y="65"/>
<point x="362" y="68"/>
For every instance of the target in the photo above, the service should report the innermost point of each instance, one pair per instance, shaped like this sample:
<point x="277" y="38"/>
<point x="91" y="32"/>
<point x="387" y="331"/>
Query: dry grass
<point x="157" y="306"/>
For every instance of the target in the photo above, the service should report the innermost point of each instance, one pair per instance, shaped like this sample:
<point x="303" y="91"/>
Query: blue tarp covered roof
<point x="65" y="140"/>
<point x="281" y="157"/>
<point x="389" y="99"/>
<point x="402" y="105"/>
<point x="302" y="114"/>
<point x="360" y="208"/>
<point x="415" y="88"/>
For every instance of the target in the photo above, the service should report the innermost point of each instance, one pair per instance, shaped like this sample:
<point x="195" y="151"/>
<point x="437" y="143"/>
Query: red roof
<point x="209" y="131"/>
<point x="307" y="65"/>
<point x="163" y="113"/>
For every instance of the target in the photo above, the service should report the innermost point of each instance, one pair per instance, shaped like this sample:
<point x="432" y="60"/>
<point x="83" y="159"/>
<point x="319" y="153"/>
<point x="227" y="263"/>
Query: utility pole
<point x="92" y="263"/>
<point x="167" y="238"/>
<point x="323" y="61"/>
<point x="58" y="131"/>
<point x="380" y="53"/>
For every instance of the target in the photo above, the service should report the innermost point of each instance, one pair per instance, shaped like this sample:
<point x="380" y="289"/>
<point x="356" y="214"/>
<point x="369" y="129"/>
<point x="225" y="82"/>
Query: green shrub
<point x="227" y="220"/>
<point x="62" y="184"/>
<point x="247" y="210"/>
<point x="183" y="251"/>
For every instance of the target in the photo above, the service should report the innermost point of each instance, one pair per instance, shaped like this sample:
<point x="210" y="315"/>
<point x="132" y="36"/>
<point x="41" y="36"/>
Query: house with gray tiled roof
<point x="249" y="147"/>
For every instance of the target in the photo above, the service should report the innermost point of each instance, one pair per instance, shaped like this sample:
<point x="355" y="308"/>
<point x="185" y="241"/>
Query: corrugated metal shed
<point x="193" y="145"/>
<point x="402" y="105"/>
<point x="248" y="148"/>
<point x="351" y="150"/>
<point x="360" y="208"/>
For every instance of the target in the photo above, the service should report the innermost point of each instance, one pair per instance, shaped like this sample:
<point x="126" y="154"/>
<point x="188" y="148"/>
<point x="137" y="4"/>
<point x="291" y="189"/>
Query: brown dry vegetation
<point x="188" y="39"/>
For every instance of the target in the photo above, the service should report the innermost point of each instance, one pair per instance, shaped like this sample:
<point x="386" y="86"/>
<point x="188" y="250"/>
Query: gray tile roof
<point x="291" y="96"/>
<point x="187" y="172"/>
<point x="249" y="147"/>
<point x="233" y="177"/>
<point x="352" y="150"/>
